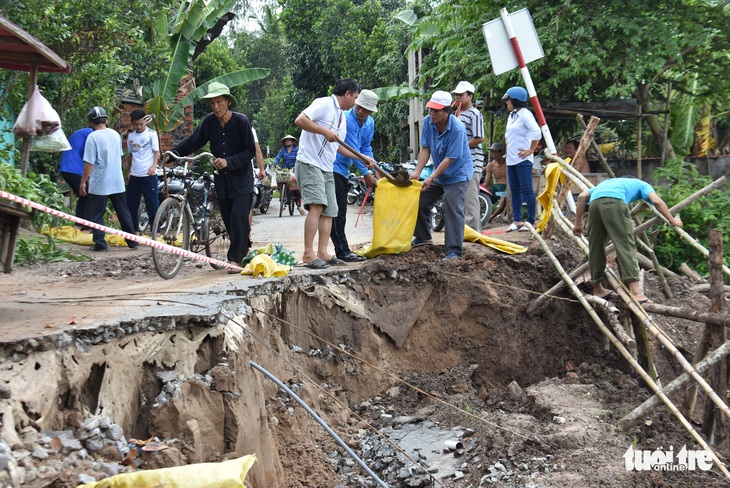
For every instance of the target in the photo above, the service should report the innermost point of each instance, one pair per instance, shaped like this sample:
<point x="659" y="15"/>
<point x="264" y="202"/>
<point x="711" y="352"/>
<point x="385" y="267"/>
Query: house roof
<point x="19" y="49"/>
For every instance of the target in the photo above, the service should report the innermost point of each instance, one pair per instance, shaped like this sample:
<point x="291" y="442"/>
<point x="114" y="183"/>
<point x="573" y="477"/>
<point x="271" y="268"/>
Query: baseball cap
<point x="462" y="87"/>
<point x="440" y="99"/>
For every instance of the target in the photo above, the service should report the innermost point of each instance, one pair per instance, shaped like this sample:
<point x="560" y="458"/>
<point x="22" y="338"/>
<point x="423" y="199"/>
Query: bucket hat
<point x="216" y="89"/>
<point x="288" y="136"/>
<point x="440" y="99"/>
<point x="368" y="100"/>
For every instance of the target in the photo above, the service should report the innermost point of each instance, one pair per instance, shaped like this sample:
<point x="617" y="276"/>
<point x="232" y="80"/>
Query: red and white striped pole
<point x="109" y="230"/>
<point x="528" y="81"/>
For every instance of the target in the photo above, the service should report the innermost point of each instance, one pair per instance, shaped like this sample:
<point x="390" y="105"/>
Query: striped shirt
<point x="474" y="123"/>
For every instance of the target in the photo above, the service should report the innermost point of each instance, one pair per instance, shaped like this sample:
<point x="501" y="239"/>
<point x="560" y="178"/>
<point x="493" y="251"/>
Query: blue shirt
<point x="451" y="144"/>
<point x="288" y="159"/>
<point x="360" y="137"/>
<point x="626" y="189"/>
<point x="72" y="161"/>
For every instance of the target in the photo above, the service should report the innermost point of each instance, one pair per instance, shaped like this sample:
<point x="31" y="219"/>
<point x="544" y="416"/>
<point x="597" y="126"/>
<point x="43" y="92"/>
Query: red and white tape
<point x="109" y="230"/>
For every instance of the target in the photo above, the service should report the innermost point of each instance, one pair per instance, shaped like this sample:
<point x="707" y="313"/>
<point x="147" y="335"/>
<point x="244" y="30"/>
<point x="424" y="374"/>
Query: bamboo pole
<point x="684" y="203"/>
<point x="640" y="123"/>
<point x="688" y="314"/>
<point x="635" y="307"/>
<point x="666" y="127"/>
<point x="601" y="159"/>
<point x="579" y="153"/>
<point x="625" y="353"/>
<point x="632" y="417"/>
<point x="652" y="221"/>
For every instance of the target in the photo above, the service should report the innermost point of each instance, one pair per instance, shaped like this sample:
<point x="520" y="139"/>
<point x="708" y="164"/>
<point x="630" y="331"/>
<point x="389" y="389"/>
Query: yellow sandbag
<point x="470" y="235"/>
<point x="262" y="266"/>
<point x="553" y="174"/>
<point x="228" y="474"/>
<point x="73" y="235"/>
<point x="394" y="218"/>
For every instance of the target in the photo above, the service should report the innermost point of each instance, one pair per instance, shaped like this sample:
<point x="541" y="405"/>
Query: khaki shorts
<point x="317" y="187"/>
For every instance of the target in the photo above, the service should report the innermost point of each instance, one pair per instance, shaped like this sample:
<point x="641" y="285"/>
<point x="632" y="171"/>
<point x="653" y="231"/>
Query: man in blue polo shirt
<point x="610" y="217"/>
<point x="360" y="131"/>
<point x="443" y="139"/>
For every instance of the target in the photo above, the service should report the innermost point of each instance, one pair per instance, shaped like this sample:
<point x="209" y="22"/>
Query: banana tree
<point x="184" y="30"/>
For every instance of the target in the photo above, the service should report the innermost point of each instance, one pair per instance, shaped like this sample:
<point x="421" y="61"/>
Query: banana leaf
<point x="235" y="78"/>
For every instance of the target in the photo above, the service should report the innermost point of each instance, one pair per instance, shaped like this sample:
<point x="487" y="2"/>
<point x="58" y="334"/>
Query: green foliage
<point x="591" y="54"/>
<point x="38" y="250"/>
<point x="38" y="188"/>
<point x="712" y="211"/>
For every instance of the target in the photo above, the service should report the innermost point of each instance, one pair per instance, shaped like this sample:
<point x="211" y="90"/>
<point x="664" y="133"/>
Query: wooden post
<point x="643" y="348"/>
<point x="25" y="149"/>
<point x="714" y="425"/>
<point x="666" y="127"/>
<point x="601" y="159"/>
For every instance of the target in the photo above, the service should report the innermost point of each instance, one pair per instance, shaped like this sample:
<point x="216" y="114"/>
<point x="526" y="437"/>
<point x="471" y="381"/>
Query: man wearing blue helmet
<point x="522" y="137"/>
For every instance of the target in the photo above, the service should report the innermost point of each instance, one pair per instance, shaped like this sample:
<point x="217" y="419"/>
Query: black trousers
<point x="337" y="234"/>
<point x="74" y="181"/>
<point x="234" y="212"/>
<point x="96" y="206"/>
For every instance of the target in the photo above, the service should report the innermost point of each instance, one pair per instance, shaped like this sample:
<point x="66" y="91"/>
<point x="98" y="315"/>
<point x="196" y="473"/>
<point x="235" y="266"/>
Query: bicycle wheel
<point x="217" y="241"/>
<point x="290" y="202"/>
<point x="283" y="198"/>
<point x="485" y="207"/>
<point x="172" y="227"/>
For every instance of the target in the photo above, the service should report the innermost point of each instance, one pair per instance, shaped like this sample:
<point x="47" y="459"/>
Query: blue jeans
<point x="454" y="198"/>
<point x="520" y="185"/>
<point x="146" y="186"/>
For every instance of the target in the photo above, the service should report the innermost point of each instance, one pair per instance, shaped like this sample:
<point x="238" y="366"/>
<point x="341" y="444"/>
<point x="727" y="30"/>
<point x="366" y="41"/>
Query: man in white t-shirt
<point x="103" y="172"/>
<point x="473" y="121"/>
<point x="323" y="124"/>
<point x="144" y="151"/>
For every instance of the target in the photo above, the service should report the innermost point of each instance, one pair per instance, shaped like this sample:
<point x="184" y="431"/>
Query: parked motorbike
<point x="352" y="188"/>
<point x="262" y="194"/>
<point x="485" y="208"/>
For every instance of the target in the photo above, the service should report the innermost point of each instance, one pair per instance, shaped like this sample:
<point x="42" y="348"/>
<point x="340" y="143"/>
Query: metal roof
<point x="19" y="50"/>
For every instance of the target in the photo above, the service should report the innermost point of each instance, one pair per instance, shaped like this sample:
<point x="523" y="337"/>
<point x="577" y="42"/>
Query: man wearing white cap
<point x="474" y="123"/>
<point x="360" y="131"/>
<point x="443" y="139"/>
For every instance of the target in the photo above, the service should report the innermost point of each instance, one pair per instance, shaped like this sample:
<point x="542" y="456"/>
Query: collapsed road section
<point x="432" y="373"/>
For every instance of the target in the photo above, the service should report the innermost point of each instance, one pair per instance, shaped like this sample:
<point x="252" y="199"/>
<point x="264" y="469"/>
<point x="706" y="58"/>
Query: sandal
<point x="513" y="227"/>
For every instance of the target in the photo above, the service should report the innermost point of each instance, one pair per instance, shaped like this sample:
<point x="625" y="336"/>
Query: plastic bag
<point x="228" y="474"/>
<point x="37" y="118"/>
<point x="394" y="218"/>
<point x="55" y="142"/>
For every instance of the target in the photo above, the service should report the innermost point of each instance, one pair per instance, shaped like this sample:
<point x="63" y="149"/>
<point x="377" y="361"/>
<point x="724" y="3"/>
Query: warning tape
<point x="126" y="235"/>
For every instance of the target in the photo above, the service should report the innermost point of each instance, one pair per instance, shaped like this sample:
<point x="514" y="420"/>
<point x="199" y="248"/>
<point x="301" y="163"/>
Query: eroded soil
<point x="430" y="345"/>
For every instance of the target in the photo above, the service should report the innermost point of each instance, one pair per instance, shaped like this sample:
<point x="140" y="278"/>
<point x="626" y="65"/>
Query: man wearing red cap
<point x="443" y="139"/>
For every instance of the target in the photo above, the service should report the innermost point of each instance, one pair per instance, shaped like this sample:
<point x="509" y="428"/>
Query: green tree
<point x="592" y="53"/>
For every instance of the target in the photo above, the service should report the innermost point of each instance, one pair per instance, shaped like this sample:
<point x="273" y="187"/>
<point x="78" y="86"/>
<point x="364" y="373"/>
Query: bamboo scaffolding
<point x="677" y="384"/>
<point x="652" y="221"/>
<point x="625" y="353"/>
<point x="683" y="313"/>
<point x="647" y="321"/>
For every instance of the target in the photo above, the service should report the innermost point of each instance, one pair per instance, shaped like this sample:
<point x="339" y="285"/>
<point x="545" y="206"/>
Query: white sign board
<point x="500" y="49"/>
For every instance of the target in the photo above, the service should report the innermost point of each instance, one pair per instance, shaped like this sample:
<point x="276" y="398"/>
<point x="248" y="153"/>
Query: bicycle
<point x="187" y="220"/>
<point x="287" y="196"/>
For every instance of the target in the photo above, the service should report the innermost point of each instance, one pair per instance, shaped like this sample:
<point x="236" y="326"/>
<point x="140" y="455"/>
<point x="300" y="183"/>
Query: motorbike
<point x="262" y="194"/>
<point x="485" y="208"/>
<point x="176" y="182"/>
<point x="358" y="190"/>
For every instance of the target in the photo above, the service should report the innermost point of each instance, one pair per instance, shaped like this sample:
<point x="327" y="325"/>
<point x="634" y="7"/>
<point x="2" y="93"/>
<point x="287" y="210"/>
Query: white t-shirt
<point x="142" y="147"/>
<point x="314" y="148"/>
<point x="104" y="150"/>
<point x="521" y="130"/>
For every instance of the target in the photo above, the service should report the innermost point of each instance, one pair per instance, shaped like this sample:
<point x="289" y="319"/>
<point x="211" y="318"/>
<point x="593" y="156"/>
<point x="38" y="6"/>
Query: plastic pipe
<point x="322" y="423"/>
